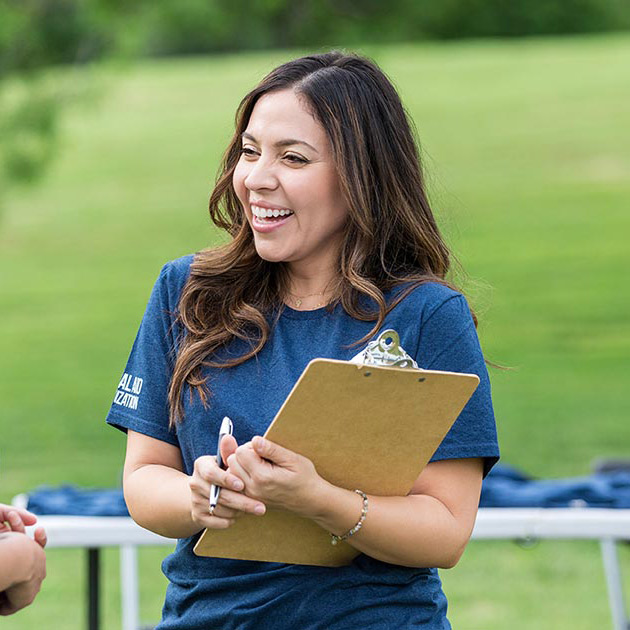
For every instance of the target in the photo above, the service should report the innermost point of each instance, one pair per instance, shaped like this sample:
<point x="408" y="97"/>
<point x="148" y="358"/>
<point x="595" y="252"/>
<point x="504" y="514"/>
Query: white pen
<point x="226" y="429"/>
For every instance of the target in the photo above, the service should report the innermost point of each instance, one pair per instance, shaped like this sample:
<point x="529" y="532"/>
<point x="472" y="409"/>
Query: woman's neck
<point x="310" y="288"/>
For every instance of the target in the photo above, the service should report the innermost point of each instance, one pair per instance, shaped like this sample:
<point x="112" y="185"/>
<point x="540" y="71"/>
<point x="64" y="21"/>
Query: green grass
<point x="527" y="149"/>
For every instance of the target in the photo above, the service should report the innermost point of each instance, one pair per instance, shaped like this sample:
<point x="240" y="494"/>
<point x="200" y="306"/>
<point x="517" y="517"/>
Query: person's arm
<point x="164" y="499"/>
<point x="428" y="528"/>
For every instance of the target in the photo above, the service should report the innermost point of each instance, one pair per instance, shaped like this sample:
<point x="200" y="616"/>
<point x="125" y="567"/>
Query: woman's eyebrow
<point x="281" y="143"/>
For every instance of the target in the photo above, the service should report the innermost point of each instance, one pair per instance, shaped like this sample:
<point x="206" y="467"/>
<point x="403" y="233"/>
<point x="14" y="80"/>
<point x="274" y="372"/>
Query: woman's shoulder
<point x="171" y="280"/>
<point x="426" y="298"/>
<point x="177" y="269"/>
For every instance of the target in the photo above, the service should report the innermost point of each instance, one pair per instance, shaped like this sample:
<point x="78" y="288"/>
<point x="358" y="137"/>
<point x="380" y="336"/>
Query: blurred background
<point x="113" y="119"/>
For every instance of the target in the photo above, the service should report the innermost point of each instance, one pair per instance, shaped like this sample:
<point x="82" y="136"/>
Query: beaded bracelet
<point x="335" y="539"/>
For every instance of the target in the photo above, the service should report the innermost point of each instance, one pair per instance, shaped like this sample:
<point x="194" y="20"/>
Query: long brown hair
<point x="391" y="236"/>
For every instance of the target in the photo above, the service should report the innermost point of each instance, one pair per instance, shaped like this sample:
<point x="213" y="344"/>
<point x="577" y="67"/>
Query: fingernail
<point x="237" y="484"/>
<point x="259" y="509"/>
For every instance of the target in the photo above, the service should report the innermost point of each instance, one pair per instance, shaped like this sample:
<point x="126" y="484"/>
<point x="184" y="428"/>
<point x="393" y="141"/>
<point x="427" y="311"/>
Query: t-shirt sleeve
<point x="141" y="399"/>
<point x="449" y="342"/>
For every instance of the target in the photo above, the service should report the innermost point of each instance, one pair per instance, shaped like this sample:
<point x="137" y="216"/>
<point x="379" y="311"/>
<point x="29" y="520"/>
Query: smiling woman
<point x="332" y="243"/>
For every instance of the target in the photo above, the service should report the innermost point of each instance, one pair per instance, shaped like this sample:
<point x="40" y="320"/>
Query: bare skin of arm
<point x="428" y="528"/>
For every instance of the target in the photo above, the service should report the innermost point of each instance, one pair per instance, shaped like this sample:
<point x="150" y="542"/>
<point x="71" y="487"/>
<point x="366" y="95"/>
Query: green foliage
<point x="195" y="26"/>
<point x="28" y="130"/>
<point x="36" y="33"/>
<point x="41" y="33"/>
<point x="490" y="18"/>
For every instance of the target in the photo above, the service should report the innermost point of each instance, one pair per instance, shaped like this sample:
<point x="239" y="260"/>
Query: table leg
<point x="93" y="588"/>
<point x="615" y="584"/>
<point x="129" y="587"/>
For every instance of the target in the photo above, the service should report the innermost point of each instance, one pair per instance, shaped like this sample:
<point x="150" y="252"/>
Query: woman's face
<point x="288" y="186"/>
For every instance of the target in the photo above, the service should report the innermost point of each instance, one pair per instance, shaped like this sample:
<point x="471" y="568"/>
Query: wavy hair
<point x="391" y="235"/>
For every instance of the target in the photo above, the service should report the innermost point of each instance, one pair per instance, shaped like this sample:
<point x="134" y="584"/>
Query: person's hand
<point x="14" y="519"/>
<point x="32" y="565"/>
<point x="232" y="501"/>
<point x="277" y="476"/>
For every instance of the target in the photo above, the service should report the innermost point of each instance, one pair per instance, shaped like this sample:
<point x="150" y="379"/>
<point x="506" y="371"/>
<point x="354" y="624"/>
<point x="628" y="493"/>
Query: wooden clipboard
<point x="363" y="426"/>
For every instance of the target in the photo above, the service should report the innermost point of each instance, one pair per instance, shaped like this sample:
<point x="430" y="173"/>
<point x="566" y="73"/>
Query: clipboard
<point x="362" y="426"/>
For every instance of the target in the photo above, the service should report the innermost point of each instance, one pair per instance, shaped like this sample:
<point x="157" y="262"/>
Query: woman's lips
<point x="265" y="226"/>
<point x="267" y="217"/>
<point x="268" y="212"/>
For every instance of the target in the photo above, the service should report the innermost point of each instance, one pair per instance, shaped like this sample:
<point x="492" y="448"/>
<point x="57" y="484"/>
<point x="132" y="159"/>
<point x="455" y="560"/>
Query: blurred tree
<point x="35" y="35"/>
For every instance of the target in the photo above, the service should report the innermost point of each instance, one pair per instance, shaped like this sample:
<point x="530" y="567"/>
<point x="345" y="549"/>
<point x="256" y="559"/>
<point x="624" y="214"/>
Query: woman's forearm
<point x="158" y="498"/>
<point x="416" y="530"/>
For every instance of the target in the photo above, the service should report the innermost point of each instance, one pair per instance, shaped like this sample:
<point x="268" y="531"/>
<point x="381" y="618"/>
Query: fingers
<point x="200" y="514"/>
<point x="12" y="515"/>
<point x="241" y="464"/>
<point x="239" y="502"/>
<point x="28" y="518"/>
<point x="273" y="452"/>
<point x="207" y="472"/>
<point x="232" y="502"/>
<point x="15" y="522"/>
<point x="228" y="446"/>
<point x="40" y="537"/>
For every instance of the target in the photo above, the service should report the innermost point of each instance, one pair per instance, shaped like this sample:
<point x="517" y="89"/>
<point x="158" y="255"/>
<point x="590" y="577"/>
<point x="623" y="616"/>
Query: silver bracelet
<point x="335" y="539"/>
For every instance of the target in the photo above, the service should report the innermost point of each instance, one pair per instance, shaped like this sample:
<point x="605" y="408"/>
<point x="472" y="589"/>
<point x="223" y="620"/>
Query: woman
<point x="333" y="240"/>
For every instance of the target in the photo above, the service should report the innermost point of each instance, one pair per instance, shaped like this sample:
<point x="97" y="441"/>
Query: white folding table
<point x="609" y="527"/>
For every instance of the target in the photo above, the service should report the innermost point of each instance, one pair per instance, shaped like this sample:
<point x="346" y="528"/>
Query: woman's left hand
<point x="276" y="476"/>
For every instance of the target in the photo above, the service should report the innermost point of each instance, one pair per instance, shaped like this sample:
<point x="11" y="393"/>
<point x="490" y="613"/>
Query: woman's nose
<point x="261" y="176"/>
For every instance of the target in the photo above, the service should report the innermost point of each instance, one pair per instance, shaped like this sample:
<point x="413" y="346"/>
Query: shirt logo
<point x="128" y="392"/>
<point x="386" y="350"/>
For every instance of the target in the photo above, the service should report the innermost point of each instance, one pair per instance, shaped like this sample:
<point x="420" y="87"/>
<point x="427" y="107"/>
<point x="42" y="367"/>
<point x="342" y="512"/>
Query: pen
<point x="226" y="429"/>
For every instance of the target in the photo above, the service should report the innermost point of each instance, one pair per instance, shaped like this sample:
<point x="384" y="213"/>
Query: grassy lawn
<point x="527" y="150"/>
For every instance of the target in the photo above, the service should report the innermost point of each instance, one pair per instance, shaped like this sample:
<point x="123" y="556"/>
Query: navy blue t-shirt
<point x="435" y="328"/>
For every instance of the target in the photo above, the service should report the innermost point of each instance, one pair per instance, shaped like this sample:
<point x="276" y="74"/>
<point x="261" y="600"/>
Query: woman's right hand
<point x="232" y="501"/>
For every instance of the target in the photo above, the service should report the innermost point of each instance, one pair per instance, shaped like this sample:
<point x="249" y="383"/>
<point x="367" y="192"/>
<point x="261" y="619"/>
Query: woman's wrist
<point x="159" y="499"/>
<point x="336" y="509"/>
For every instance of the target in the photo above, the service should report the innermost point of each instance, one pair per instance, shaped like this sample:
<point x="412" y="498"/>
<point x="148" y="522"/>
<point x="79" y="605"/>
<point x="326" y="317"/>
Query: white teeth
<point x="266" y="213"/>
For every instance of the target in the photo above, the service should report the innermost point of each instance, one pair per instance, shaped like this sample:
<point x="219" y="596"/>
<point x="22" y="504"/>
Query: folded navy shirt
<point x="72" y="500"/>
<point x="507" y="487"/>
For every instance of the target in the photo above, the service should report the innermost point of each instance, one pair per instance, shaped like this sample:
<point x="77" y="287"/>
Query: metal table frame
<point x="609" y="527"/>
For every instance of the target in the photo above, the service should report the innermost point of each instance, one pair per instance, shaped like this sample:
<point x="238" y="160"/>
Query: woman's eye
<point x="295" y="159"/>
<point x="247" y="151"/>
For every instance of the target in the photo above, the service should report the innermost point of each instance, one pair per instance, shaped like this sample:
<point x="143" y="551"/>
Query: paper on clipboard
<point x="362" y="426"/>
